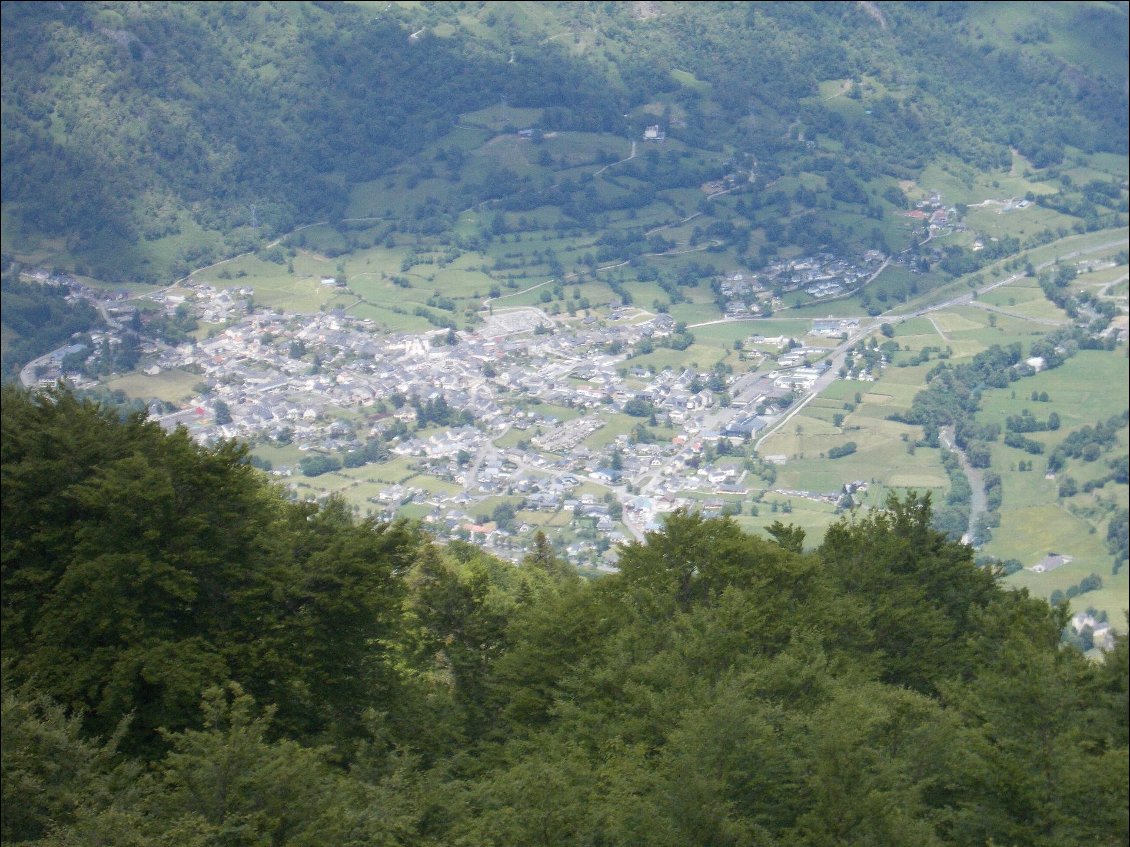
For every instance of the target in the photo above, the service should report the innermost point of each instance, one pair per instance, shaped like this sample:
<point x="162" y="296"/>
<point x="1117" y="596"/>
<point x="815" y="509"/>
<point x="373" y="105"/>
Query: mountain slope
<point x="140" y="140"/>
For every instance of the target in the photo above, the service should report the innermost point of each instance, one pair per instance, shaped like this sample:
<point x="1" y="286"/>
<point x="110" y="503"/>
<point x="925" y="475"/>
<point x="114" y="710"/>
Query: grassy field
<point x="358" y="486"/>
<point x="812" y="516"/>
<point x="1030" y="533"/>
<point x="274" y="287"/>
<point x="1022" y="292"/>
<point x="1091" y="246"/>
<point x="664" y="358"/>
<point x="172" y="386"/>
<point x="495" y="118"/>
<point x="1079" y="391"/>
<point x="1078" y="36"/>
<point x="881" y="455"/>
<point x="1034" y="521"/>
<point x="614" y="426"/>
<point x="1023" y="306"/>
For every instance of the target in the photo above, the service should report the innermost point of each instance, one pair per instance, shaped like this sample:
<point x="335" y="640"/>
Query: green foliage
<point x="437" y="412"/>
<point x="208" y="80"/>
<point x="52" y="775"/>
<point x="1118" y="538"/>
<point x="639" y="407"/>
<point x="230" y="783"/>
<point x="1088" y="443"/>
<point x="917" y="608"/>
<point x="318" y="464"/>
<point x="1041" y="731"/>
<point x="361" y="685"/>
<point x="789" y="537"/>
<point x="226" y="784"/>
<point x="174" y="328"/>
<point x="137" y="565"/>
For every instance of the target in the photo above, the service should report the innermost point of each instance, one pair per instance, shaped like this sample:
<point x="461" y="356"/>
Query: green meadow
<point x="172" y="386"/>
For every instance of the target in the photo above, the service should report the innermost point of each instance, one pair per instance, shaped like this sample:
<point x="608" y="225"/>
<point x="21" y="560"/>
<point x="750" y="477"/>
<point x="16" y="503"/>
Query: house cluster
<point x="48" y="369"/>
<point x="824" y="275"/>
<point x="58" y="277"/>
<point x="743" y="295"/>
<point x="279" y="373"/>
<point x="566" y="436"/>
<point x="327" y="383"/>
<point x="935" y="215"/>
<point x="446" y="444"/>
<point x="816" y="496"/>
<point x="701" y="490"/>
<point x="799" y="379"/>
<point x="213" y="305"/>
<point x="798" y="367"/>
<point x="548" y="482"/>
<point x="834" y="327"/>
<point x="1050" y="562"/>
<point x="331" y="384"/>
<point x="727" y="183"/>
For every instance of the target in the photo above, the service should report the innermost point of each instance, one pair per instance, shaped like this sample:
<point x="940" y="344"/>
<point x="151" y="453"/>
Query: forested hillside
<point x="142" y="140"/>
<point x="190" y="658"/>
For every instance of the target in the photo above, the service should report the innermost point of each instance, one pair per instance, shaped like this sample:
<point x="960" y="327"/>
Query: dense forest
<point x="191" y="658"/>
<point x="220" y="125"/>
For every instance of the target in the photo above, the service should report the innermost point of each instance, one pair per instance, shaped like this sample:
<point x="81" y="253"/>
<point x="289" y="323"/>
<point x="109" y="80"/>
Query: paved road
<point x="968" y="297"/>
<point x="837" y="355"/>
<point x="631" y="156"/>
<point x="1104" y="292"/>
<point x="868" y="326"/>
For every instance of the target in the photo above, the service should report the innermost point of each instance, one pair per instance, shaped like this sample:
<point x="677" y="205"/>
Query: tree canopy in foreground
<point x="191" y="658"/>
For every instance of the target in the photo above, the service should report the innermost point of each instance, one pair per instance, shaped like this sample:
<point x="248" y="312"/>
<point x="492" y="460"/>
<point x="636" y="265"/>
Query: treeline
<point x="952" y="397"/>
<point x="1118" y="539"/>
<point x="952" y="517"/>
<point x="1027" y="422"/>
<point x="845" y="449"/>
<point x="1091" y="582"/>
<point x="1055" y="285"/>
<point x="1089" y="442"/>
<point x="953" y="393"/>
<point x="191" y="658"/>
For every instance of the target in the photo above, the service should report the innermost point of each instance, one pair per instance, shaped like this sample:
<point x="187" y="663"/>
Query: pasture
<point x="173" y="386"/>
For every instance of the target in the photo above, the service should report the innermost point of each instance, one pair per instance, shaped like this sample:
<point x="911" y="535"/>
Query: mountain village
<point x="339" y="388"/>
